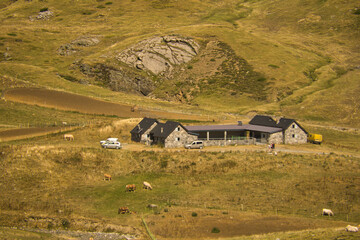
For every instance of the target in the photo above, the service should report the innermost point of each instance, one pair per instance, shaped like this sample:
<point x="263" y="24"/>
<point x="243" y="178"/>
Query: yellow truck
<point x="315" y="138"/>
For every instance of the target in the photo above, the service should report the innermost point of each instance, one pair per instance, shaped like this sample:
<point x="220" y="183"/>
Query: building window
<point x="178" y="129"/>
<point x="293" y="136"/>
<point x="178" y="139"/>
<point x="293" y="126"/>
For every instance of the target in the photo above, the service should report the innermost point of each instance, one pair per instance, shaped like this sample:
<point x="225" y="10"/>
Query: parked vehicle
<point x="111" y="143"/>
<point x="195" y="145"/>
<point x="315" y="138"/>
<point x="109" y="140"/>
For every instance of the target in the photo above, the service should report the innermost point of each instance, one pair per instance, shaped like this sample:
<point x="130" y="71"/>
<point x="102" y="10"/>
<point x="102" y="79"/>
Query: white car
<point x="195" y="145"/>
<point x="111" y="143"/>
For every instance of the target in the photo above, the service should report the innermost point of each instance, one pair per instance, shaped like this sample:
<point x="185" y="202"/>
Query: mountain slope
<point x="268" y="56"/>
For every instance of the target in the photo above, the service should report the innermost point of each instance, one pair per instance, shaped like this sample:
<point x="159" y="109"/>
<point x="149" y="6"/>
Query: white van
<point x="195" y="145"/>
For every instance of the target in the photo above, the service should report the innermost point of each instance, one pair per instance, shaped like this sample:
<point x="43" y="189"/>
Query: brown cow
<point x="123" y="210"/>
<point x="68" y="137"/>
<point x="130" y="188"/>
<point x="107" y="177"/>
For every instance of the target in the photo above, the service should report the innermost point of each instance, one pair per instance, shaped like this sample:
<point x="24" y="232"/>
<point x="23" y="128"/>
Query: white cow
<point x="147" y="185"/>
<point x="69" y="137"/>
<point x="350" y="228"/>
<point x="327" y="212"/>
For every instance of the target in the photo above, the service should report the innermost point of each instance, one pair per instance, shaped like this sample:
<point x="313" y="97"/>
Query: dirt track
<point x="73" y="102"/>
<point x="181" y="224"/>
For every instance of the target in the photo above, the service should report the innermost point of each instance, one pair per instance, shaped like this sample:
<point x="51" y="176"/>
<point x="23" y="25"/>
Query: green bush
<point x="44" y="9"/>
<point x="215" y="230"/>
<point x="163" y="163"/>
<point x="65" y="223"/>
<point x="273" y="66"/>
<point x="194" y="214"/>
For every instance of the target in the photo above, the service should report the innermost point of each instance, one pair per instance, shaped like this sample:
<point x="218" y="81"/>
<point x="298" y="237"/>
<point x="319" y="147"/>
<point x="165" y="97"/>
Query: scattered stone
<point x="7" y="56"/>
<point x="45" y="15"/>
<point x="73" y="47"/>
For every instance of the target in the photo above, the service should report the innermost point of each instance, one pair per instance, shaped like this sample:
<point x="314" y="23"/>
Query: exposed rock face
<point x="118" y="79"/>
<point x="159" y="55"/>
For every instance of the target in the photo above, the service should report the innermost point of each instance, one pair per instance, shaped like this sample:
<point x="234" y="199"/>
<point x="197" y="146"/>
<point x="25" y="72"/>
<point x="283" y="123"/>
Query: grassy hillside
<point x="301" y="52"/>
<point x="51" y="184"/>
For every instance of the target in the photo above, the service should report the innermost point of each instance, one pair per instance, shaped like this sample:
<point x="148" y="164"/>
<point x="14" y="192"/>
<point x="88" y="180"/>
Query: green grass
<point x="64" y="180"/>
<point x="9" y="233"/>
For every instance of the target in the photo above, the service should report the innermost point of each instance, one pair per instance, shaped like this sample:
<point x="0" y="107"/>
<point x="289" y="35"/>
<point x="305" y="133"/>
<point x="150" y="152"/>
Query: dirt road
<point x="73" y="102"/>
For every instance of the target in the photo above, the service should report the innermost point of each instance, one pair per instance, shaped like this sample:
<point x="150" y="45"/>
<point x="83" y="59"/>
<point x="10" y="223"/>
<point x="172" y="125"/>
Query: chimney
<point x="162" y="130"/>
<point x="239" y="123"/>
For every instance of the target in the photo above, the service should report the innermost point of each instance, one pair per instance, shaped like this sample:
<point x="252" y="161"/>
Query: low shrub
<point x="65" y="223"/>
<point x="44" y="9"/>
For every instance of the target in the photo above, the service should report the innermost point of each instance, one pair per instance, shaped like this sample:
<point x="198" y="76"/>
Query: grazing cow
<point x="107" y="177"/>
<point x="134" y="108"/>
<point x="130" y="188"/>
<point x="152" y="206"/>
<point x="147" y="185"/>
<point x="327" y="212"/>
<point x="123" y="210"/>
<point x="350" y="228"/>
<point x="69" y="137"/>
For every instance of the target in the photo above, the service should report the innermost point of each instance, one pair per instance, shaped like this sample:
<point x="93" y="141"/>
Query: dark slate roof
<point x="285" y="123"/>
<point x="263" y="121"/>
<point x="163" y="130"/>
<point x="144" y="125"/>
<point x="232" y="128"/>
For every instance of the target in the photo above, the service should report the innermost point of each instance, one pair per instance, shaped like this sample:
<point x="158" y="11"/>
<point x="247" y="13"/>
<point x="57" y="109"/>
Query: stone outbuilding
<point x="141" y="132"/>
<point x="292" y="132"/>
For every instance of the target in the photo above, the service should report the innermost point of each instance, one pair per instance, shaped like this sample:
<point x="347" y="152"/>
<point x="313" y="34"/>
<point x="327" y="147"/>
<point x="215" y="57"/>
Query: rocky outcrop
<point x="117" y="78"/>
<point x="159" y="55"/>
<point x="75" y="46"/>
<point x="44" y="15"/>
<point x="152" y="58"/>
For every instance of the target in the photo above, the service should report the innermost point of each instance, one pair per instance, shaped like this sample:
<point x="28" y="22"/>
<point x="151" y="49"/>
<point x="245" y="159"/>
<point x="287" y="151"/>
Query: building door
<point x="263" y="137"/>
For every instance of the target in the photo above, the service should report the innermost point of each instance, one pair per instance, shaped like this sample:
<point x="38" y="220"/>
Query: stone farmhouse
<point x="261" y="129"/>
<point x="169" y="134"/>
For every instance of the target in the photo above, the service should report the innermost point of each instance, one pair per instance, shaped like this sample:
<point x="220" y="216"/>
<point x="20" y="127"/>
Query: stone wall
<point x="276" y="138"/>
<point x="294" y="135"/>
<point x="179" y="138"/>
<point x="221" y="142"/>
<point x="144" y="137"/>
